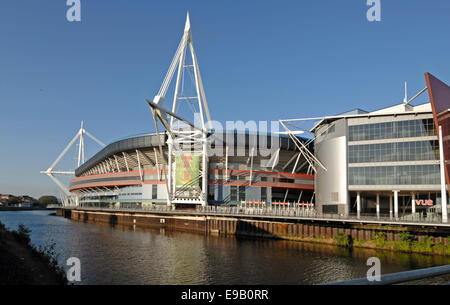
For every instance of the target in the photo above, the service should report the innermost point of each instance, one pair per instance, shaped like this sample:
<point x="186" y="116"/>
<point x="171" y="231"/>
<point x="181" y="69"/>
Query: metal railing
<point x="400" y="277"/>
<point x="53" y="206"/>
<point x="269" y="211"/>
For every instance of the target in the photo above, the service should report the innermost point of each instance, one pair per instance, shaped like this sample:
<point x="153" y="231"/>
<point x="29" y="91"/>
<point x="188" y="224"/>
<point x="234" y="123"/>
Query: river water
<point x="123" y="256"/>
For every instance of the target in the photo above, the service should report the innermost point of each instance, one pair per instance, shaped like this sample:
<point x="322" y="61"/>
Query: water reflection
<point x="127" y="255"/>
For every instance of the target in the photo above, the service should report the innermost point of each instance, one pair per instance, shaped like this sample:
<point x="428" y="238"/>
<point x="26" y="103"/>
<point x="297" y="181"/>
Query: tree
<point x="13" y="200"/>
<point x="46" y="200"/>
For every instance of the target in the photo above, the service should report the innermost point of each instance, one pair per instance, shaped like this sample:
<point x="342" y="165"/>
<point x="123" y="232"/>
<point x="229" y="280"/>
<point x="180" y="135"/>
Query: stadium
<point x="391" y="162"/>
<point x="131" y="172"/>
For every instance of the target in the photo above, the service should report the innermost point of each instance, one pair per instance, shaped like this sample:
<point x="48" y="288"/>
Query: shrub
<point x="405" y="242"/>
<point x="22" y="234"/>
<point x="402" y="246"/>
<point x="2" y="230"/>
<point x="442" y="249"/>
<point x="425" y="246"/>
<point x="406" y="237"/>
<point x="343" y="239"/>
<point x="379" y="239"/>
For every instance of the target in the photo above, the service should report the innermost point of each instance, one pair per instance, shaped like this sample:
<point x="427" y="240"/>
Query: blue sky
<point x="260" y="60"/>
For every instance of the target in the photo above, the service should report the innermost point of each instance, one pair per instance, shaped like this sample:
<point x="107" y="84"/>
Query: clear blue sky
<point x="260" y="60"/>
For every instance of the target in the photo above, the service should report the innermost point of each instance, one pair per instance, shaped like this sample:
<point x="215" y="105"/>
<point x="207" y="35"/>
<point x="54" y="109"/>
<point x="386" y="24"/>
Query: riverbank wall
<point x="379" y="236"/>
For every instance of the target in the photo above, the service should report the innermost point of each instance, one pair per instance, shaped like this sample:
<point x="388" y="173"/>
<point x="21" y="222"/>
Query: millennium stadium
<point x="390" y="162"/>
<point x="132" y="172"/>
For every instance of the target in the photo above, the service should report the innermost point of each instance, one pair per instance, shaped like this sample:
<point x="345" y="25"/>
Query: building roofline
<point x="375" y="113"/>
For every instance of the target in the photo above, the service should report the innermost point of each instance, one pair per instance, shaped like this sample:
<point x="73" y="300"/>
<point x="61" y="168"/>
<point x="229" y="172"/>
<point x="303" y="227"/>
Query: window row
<point x="394" y="175"/>
<point x="238" y="193"/>
<point x="394" y="152"/>
<point x="391" y="130"/>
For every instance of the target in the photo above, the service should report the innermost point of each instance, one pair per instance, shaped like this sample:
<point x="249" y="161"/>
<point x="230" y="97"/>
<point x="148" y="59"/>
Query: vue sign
<point x="428" y="202"/>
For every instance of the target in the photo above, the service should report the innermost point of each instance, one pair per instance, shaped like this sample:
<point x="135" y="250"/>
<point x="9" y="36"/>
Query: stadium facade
<point x="131" y="172"/>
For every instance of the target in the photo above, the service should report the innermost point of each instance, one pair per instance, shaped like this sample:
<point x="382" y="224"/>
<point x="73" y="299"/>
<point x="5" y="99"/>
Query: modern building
<point x="383" y="162"/>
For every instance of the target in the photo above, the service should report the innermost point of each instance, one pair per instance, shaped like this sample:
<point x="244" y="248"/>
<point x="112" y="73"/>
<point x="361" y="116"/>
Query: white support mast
<point x="405" y="99"/>
<point x="187" y="137"/>
<point x="303" y="148"/>
<point x="80" y="160"/>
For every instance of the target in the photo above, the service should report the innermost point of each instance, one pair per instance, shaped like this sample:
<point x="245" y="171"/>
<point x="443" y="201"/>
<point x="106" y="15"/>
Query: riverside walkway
<point x="275" y="213"/>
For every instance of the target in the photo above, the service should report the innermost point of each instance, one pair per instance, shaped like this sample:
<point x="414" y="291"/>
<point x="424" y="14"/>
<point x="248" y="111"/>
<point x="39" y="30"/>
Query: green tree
<point x="46" y="200"/>
<point x="13" y="200"/>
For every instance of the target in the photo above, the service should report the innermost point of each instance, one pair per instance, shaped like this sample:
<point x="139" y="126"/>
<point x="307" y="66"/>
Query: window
<point x="241" y="193"/>
<point x="233" y="193"/>
<point x="154" y="191"/>
<point x="330" y="209"/>
<point x="263" y="194"/>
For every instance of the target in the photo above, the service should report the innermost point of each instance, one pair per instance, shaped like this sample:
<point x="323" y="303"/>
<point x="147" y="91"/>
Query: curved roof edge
<point x="151" y="140"/>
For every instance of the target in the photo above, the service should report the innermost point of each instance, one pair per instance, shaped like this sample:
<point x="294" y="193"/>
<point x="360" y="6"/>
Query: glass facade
<point x="394" y="175"/>
<point x="394" y="152"/>
<point x="392" y="130"/>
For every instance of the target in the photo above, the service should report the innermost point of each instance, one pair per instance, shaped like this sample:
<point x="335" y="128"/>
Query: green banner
<point x="187" y="171"/>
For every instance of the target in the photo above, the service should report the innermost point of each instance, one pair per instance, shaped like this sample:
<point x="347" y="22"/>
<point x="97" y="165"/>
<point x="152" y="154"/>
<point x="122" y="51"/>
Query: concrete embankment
<point x="391" y="237"/>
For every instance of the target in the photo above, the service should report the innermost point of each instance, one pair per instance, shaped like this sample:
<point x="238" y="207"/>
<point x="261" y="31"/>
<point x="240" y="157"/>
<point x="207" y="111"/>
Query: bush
<point x="405" y="242"/>
<point x="402" y="246"/>
<point x="379" y="239"/>
<point x="22" y="234"/>
<point x="406" y="237"/>
<point x="441" y="249"/>
<point x="48" y="256"/>
<point x="425" y="246"/>
<point x="2" y="231"/>
<point x="343" y="239"/>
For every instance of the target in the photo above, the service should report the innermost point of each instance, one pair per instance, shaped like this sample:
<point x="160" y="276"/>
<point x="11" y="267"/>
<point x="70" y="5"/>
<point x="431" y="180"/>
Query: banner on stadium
<point x="187" y="171"/>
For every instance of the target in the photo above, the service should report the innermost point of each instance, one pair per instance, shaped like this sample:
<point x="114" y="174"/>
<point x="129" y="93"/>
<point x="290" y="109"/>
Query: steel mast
<point x="79" y="136"/>
<point x="189" y="137"/>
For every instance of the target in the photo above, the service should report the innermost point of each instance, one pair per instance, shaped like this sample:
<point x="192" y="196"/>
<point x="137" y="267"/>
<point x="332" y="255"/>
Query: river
<point x="123" y="256"/>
